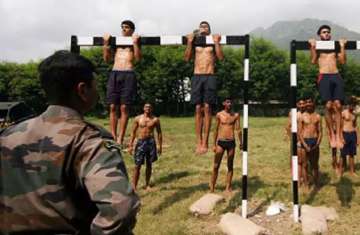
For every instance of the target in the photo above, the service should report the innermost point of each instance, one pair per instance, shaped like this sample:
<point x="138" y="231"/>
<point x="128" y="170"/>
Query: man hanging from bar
<point x="122" y="83"/>
<point x="203" y="83"/>
<point x="330" y="84"/>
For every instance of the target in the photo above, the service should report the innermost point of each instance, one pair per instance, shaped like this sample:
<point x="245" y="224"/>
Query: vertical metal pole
<point x="74" y="45"/>
<point x="294" y="158"/>
<point x="245" y="129"/>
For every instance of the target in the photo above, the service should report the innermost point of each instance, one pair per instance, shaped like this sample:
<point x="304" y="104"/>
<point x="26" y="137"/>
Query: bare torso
<point x="123" y="59"/>
<point x="146" y="126"/>
<point x="227" y="125"/>
<point x="310" y="123"/>
<point x="204" y="60"/>
<point x="327" y="63"/>
<point x="349" y="120"/>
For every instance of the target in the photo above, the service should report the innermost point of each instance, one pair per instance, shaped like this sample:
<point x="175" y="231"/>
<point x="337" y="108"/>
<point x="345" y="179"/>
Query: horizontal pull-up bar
<point x="157" y="40"/>
<point x="325" y="45"/>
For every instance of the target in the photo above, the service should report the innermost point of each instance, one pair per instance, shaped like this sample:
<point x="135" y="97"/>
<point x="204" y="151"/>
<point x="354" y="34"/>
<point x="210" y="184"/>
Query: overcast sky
<point x="33" y="29"/>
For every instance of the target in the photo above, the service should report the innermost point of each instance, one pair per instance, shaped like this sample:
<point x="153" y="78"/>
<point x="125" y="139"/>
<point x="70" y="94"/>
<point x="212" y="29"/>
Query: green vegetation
<point x="162" y="72"/>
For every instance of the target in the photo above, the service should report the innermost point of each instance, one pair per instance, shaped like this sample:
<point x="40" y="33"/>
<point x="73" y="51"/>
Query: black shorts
<point x="226" y="144"/>
<point x="121" y="87"/>
<point x="331" y="87"/>
<point x="145" y="150"/>
<point x="350" y="144"/>
<point x="203" y="89"/>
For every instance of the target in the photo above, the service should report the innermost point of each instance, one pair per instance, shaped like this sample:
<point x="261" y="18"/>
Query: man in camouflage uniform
<point x="58" y="173"/>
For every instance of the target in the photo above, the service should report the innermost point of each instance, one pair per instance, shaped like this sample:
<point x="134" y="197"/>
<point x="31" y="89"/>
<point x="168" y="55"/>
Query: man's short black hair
<point x="129" y="23"/>
<point x="227" y="98"/>
<point x="309" y="98"/>
<point x="323" y="27"/>
<point x="205" y="22"/>
<point x="61" y="72"/>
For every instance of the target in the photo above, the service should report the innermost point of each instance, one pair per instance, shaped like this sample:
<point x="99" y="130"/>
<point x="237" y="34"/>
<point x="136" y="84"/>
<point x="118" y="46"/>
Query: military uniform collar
<point x="61" y="111"/>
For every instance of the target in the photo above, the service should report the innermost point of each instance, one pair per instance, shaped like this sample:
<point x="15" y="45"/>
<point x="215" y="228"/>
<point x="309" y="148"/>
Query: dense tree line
<point x="163" y="77"/>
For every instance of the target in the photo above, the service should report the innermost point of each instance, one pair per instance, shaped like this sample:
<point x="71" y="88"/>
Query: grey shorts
<point x="203" y="89"/>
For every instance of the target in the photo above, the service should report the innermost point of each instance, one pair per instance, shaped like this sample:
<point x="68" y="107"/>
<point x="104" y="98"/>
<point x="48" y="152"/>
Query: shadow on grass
<point x="181" y="194"/>
<point x="357" y="166"/>
<point x="172" y="176"/>
<point x="324" y="180"/>
<point x="345" y="191"/>
<point x="254" y="184"/>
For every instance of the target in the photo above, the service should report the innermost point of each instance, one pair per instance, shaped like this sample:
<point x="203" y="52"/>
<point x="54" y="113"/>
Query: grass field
<point x="180" y="178"/>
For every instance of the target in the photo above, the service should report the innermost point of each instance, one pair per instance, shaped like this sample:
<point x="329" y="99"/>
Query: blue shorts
<point x="145" y="150"/>
<point x="311" y="142"/>
<point x="350" y="144"/>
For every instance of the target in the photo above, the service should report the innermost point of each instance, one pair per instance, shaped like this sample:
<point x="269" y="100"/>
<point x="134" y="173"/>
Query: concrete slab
<point x="205" y="204"/>
<point x="313" y="220"/>
<point x="234" y="224"/>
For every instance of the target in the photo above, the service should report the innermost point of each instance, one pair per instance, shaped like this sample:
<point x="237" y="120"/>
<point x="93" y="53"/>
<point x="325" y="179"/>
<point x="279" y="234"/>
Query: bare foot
<point x="198" y="149"/>
<point x="203" y="149"/>
<point x="353" y="174"/>
<point x="148" y="188"/>
<point x="228" y="192"/>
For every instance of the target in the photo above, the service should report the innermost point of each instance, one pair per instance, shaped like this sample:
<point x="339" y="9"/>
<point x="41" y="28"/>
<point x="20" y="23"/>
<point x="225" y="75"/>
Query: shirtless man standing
<point x="330" y="83"/>
<point x="145" y="150"/>
<point x="350" y="133"/>
<point x="122" y="83"/>
<point x="203" y="83"/>
<point x="224" y="140"/>
<point x="300" y="150"/>
<point x="310" y="134"/>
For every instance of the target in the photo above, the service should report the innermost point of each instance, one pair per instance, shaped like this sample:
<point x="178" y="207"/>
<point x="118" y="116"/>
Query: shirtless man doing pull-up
<point x="203" y="83"/>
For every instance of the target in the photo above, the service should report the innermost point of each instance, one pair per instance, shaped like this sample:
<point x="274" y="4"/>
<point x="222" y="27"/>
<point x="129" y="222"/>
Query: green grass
<point x="180" y="178"/>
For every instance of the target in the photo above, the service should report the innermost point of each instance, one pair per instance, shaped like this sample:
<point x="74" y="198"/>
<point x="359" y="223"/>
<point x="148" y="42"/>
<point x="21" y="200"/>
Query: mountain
<point x="282" y="33"/>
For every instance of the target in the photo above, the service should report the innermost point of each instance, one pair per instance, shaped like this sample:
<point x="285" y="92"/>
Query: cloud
<point x="34" y="29"/>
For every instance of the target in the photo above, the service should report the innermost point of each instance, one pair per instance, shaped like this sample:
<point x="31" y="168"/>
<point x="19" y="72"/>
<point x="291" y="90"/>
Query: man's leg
<point x="315" y="156"/>
<point x="136" y="176"/>
<point x="334" y="159"/>
<point x="198" y="127"/>
<point x="230" y="166"/>
<point x="352" y="165"/>
<point x="148" y="174"/>
<point x="329" y="123"/>
<point x="305" y="173"/>
<point x="337" y="107"/>
<point x="217" y="161"/>
<point x="123" y="121"/>
<point x="207" y="126"/>
<point x="342" y="165"/>
<point x="113" y="121"/>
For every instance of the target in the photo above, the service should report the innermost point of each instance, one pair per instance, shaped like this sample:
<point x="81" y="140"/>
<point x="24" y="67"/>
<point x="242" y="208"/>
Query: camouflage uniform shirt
<point x="61" y="174"/>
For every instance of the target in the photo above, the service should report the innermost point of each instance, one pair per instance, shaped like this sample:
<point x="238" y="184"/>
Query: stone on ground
<point x="234" y="224"/>
<point x="205" y="204"/>
<point x="314" y="219"/>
